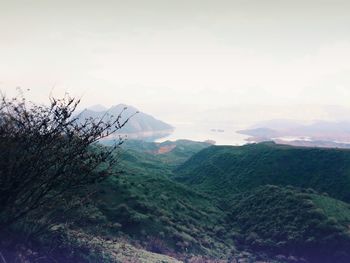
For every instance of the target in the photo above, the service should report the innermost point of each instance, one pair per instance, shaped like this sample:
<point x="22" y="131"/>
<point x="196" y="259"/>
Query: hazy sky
<point x="172" y="57"/>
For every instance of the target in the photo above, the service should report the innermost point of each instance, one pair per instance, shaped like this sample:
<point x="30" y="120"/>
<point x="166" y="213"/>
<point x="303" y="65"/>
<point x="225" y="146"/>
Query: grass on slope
<point x="113" y="251"/>
<point x="170" y="153"/>
<point x="164" y="216"/>
<point x="227" y="170"/>
<point x="336" y="209"/>
<point x="140" y="157"/>
<point x="146" y="207"/>
<point x="282" y="220"/>
<point x="287" y="221"/>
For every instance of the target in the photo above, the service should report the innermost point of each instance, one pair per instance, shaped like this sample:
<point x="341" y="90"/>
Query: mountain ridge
<point x="140" y="125"/>
<point x="229" y="170"/>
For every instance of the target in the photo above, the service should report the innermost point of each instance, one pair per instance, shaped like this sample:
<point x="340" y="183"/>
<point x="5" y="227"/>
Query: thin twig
<point x="2" y="257"/>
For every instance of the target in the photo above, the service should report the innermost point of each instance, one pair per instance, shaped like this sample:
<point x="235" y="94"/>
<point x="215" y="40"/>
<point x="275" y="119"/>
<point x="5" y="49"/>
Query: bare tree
<point x="48" y="155"/>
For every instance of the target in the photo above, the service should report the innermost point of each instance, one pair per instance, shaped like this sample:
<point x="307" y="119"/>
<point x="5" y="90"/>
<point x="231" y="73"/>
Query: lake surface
<point x="221" y="134"/>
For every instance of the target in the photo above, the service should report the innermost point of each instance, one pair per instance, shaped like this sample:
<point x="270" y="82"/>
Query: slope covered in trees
<point x="228" y="170"/>
<point x="86" y="202"/>
<point x="271" y="223"/>
<point x="293" y="222"/>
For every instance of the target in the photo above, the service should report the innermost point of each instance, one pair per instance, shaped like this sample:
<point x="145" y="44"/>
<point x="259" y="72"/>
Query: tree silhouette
<point x="48" y="155"/>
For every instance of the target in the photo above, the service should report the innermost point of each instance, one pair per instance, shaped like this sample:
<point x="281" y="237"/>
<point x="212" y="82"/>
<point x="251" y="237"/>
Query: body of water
<point x="221" y="134"/>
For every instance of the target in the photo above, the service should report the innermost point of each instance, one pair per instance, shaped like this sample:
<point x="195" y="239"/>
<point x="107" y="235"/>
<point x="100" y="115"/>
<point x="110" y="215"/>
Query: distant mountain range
<point x="140" y="125"/>
<point x="318" y="133"/>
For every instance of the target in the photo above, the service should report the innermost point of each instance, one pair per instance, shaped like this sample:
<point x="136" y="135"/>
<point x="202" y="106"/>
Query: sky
<point x="177" y="59"/>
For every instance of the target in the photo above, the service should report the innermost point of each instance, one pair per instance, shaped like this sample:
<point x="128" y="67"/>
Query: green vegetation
<point x="287" y="221"/>
<point x="85" y="202"/>
<point x="164" y="216"/>
<point x="268" y="222"/>
<point x="333" y="208"/>
<point x="165" y="155"/>
<point x="228" y="170"/>
<point x="143" y="209"/>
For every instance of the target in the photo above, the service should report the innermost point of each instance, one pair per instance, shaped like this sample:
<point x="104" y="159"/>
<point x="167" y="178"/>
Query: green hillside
<point x="265" y="222"/>
<point x="147" y="208"/>
<point x="287" y="221"/>
<point x="227" y="170"/>
<point x="140" y="212"/>
<point x="168" y="153"/>
<point x="165" y="217"/>
<point x="150" y="158"/>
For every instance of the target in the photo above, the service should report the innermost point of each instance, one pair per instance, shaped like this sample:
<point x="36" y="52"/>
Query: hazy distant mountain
<point x="139" y="126"/>
<point x="260" y="132"/>
<point x="318" y="133"/>
<point x="277" y="124"/>
<point x="98" y="107"/>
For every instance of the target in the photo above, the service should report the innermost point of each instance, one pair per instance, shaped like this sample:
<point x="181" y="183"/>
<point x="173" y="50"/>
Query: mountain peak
<point x="139" y="126"/>
<point x="122" y="106"/>
<point x="97" y="108"/>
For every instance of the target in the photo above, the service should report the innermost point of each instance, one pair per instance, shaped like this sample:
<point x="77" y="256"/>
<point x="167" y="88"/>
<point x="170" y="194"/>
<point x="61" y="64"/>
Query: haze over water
<point x="221" y="134"/>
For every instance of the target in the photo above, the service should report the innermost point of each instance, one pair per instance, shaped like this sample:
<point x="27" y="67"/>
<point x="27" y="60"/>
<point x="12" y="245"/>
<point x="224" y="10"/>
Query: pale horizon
<point x="181" y="60"/>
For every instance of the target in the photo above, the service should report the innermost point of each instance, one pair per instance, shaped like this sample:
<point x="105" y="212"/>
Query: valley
<point x="258" y="202"/>
<point x="183" y="200"/>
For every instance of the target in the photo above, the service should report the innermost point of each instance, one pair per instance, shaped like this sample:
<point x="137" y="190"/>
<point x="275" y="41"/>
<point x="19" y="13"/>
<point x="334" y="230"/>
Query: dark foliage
<point x="48" y="162"/>
<point x="227" y="170"/>
<point x="286" y="221"/>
